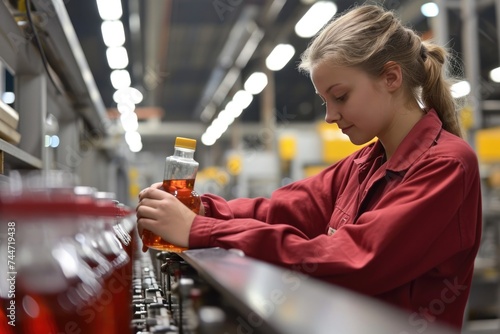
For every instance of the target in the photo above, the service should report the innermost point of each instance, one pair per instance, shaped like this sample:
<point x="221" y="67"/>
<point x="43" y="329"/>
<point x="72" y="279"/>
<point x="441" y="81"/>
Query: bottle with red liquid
<point x="179" y="177"/>
<point x="118" y="285"/>
<point x="48" y="281"/>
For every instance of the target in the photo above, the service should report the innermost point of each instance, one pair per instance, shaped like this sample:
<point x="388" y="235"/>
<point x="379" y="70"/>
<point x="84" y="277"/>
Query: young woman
<point x="400" y="219"/>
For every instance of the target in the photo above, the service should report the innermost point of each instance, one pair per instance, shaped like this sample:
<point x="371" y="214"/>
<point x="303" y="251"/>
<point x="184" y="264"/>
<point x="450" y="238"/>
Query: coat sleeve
<point x="434" y="216"/>
<point x="217" y="207"/>
<point x="428" y="218"/>
<point x="305" y="206"/>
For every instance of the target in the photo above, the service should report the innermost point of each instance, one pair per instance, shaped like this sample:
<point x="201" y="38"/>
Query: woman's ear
<point x="392" y="76"/>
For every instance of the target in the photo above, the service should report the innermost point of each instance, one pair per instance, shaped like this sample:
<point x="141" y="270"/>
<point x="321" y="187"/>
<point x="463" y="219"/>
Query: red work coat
<point x="405" y="231"/>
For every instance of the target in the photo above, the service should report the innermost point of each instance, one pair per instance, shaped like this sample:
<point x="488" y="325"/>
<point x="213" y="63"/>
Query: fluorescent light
<point x="494" y="75"/>
<point x="430" y="9"/>
<point x="256" y="83"/>
<point x="315" y="18"/>
<point x="460" y="89"/>
<point x="8" y="97"/>
<point x="226" y="117"/>
<point x="54" y="141"/>
<point x="242" y="99"/>
<point x="128" y="94"/>
<point x="132" y="137"/>
<point x="219" y="125"/>
<point x="110" y="9"/>
<point x="134" y="141"/>
<point x="117" y="57"/>
<point x="120" y="79"/>
<point x="210" y="130"/>
<point x="213" y="132"/>
<point x="113" y="33"/>
<point x="279" y="57"/>
<point x="125" y="107"/>
<point x="207" y="139"/>
<point x="233" y="109"/>
<point x="129" y="121"/>
<point x="136" y="147"/>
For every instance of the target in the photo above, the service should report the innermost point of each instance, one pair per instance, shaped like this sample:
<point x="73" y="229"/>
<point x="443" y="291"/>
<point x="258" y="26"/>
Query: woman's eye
<point x="341" y="98"/>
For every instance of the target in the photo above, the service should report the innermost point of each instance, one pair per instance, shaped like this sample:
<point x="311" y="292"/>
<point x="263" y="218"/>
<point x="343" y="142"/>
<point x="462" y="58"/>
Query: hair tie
<point x="423" y="52"/>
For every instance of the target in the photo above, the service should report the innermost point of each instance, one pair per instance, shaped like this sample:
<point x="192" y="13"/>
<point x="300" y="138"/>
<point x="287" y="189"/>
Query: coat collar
<point x="420" y="138"/>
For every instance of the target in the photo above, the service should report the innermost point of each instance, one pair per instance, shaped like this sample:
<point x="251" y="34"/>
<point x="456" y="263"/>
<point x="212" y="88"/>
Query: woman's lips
<point x="344" y="130"/>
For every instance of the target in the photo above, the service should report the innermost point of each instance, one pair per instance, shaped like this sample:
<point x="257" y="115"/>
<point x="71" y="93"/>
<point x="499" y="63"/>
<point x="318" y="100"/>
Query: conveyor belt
<point x="220" y="291"/>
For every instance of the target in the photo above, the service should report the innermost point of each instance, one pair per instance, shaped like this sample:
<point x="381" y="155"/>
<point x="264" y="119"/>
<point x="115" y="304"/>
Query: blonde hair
<point x="368" y="37"/>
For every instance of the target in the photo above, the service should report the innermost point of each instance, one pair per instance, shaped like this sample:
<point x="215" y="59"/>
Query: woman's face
<point x="360" y="104"/>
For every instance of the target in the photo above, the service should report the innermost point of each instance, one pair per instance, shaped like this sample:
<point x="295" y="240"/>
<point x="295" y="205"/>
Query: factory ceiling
<point x="181" y="52"/>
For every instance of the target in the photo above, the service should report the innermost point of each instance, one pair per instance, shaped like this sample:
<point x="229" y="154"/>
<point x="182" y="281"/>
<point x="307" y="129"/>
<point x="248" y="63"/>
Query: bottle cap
<point x="185" y="143"/>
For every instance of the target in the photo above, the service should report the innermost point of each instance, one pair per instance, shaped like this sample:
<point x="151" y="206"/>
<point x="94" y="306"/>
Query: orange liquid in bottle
<point x="53" y="313"/>
<point x="183" y="190"/>
<point x="4" y="320"/>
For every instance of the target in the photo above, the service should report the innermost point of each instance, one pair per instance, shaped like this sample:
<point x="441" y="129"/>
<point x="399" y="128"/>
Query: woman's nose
<point x="331" y="115"/>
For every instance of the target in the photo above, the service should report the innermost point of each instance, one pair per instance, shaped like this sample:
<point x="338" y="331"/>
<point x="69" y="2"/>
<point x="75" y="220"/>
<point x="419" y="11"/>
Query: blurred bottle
<point x="48" y="280"/>
<point x="118" y="285"/>
<point x="125" y="229"/>
<point x="179" y="177"/>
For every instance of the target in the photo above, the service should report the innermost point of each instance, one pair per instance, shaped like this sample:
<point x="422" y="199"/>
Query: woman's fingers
<point x="153" y="193"/>
<point x="148" y="223"/>
<point x="150" y="202"/>
<point x="163" y="214"/>
<point x="157" y="185"/>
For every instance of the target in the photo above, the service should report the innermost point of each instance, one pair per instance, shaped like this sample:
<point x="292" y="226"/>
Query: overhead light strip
<point x="110" y="9"/>
<point x="113" y="34"/>
<point x="315" y="18"/>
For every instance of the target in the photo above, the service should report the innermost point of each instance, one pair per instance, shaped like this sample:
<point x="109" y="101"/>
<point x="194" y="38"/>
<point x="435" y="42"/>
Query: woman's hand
<point x="163" y="214"/>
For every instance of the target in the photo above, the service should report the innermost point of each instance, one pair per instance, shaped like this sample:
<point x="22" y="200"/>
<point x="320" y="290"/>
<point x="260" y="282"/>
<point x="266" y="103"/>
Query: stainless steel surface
<point x="72" y="63"/>
<point x="271" y="299"/>
<point x="31" y="104"/>
<point x="16" y="50"/>
<point x="17" y="158"/>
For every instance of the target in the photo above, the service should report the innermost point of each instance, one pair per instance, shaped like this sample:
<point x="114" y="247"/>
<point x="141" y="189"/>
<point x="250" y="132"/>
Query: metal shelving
<point x="76" y="98"/>
<point x="17" y="158"/>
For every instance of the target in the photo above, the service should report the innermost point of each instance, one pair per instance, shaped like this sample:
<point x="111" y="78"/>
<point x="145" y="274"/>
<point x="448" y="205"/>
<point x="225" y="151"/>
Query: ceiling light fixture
<point x="133" y="140"/>
<point x="226" y="117"/>
<point x="117" y="57"/>
<point x="207" y="139"/>
<point x="280" y="56"/>
<point x="125" y="107"/>
<point x="120" y="79"/>
<point x="8" y="97"/>
<point x="129" y="121"/>
<point x="315" y="18"/>
<point x="255" y="83"/>
<point x="110" y="9"/>
<point x="135" y="147"/>
<point x="128" y="94"/>
<point x="495" y="74"/>
<point x="113" y="33"/>
<point x="430" y="9"/>
<point x="460" y="89"/>
<point x="233" y="109"/>
<point x="242" y="99"/>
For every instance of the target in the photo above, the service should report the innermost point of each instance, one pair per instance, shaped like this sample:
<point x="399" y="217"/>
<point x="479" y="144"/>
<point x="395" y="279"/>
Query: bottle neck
<point x="183" y="152"/>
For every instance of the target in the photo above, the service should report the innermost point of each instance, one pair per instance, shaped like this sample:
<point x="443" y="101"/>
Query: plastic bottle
<point x="179" y="178"/>
<point x="48" y="282"/>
